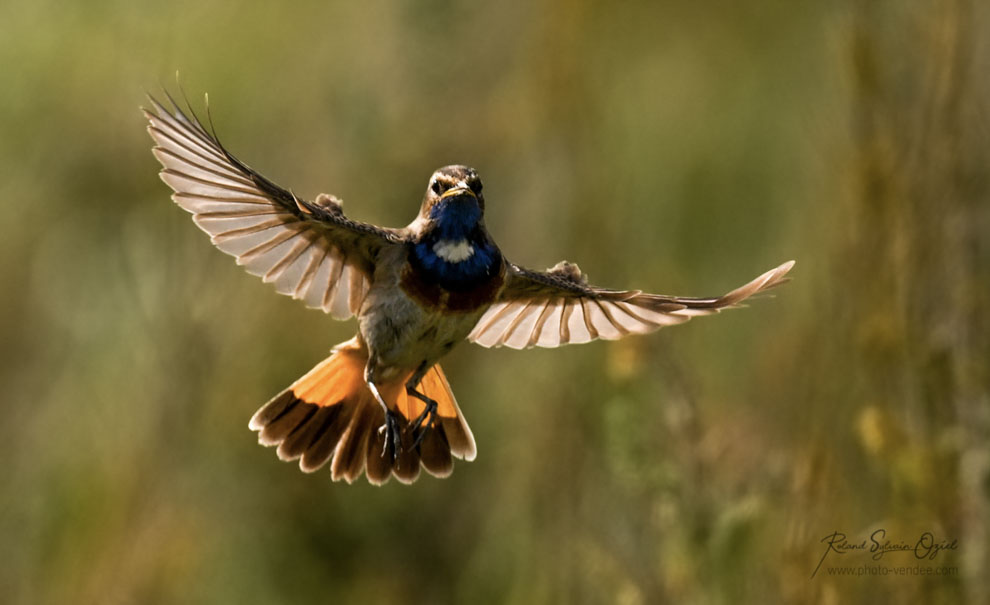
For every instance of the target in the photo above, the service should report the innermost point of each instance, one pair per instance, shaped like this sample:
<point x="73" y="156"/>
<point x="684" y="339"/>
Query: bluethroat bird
<point x="380" y="404"/>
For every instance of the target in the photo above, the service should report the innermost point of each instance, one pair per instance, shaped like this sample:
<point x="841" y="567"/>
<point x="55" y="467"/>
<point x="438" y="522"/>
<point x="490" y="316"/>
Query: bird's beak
<point x="457" y="191"/>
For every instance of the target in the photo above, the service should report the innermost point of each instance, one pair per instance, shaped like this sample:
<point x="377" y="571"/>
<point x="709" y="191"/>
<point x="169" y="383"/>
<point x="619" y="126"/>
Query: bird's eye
<point x="476" y="186"/>
<point x="437" y="187"/>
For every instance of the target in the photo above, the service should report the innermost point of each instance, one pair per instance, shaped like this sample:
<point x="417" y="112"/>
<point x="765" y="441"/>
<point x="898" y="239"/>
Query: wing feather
<point x="556" y="307"/>
<point x="342" y="293"/>
<point x="550" y="321"/>
<point x="310" y="251"/>
<point x="518" y="334"/>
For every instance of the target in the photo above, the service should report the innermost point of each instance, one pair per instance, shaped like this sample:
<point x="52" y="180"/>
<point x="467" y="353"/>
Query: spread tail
<point x="330" y="414"/>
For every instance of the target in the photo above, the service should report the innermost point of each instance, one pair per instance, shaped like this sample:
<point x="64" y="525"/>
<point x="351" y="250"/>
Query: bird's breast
<point x="426" y="289"/>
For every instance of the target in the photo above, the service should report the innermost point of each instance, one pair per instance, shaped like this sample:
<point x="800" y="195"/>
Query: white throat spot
<point x="453" y="252"/>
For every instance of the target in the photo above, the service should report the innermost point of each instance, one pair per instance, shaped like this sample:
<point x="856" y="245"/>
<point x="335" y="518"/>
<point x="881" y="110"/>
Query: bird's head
<point x="450" y="245"/>
<point x="453" y="203"/>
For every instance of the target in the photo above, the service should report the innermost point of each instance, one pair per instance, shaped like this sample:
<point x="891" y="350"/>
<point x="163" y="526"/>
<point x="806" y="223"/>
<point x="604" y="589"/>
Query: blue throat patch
<point x="454" y="221"/>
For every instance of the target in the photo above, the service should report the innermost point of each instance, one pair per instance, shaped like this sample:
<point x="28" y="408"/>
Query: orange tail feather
<point x="330" y="414"/>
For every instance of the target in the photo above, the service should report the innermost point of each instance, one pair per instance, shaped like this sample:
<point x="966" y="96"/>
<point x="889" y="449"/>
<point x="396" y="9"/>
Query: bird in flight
<point x="380" y="404"/>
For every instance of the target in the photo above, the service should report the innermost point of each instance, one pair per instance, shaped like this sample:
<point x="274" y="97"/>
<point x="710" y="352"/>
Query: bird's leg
<point x="391" y="426"/>
<point x="430" y="413"/>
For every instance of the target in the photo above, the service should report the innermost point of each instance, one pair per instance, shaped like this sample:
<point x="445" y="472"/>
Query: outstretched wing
<point x="309" y="250"/>
<point x="557" y="307"/>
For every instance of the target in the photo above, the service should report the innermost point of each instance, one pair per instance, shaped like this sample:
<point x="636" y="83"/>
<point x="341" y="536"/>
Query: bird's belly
<point x="402" y="333"/>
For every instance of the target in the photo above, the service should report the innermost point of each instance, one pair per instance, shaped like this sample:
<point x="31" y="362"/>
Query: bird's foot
<point x="429" y="417"/>
<point x="392" y="441"/>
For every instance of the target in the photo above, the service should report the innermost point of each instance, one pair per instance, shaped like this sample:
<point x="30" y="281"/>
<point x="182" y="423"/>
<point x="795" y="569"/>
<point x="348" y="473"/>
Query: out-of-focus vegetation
<point x="677" y="147"/>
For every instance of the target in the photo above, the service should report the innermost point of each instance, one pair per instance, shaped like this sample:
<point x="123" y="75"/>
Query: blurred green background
<point x="677" y="147"/>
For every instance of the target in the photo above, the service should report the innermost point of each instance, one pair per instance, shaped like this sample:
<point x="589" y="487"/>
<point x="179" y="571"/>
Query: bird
<point x="380" y="404"/>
